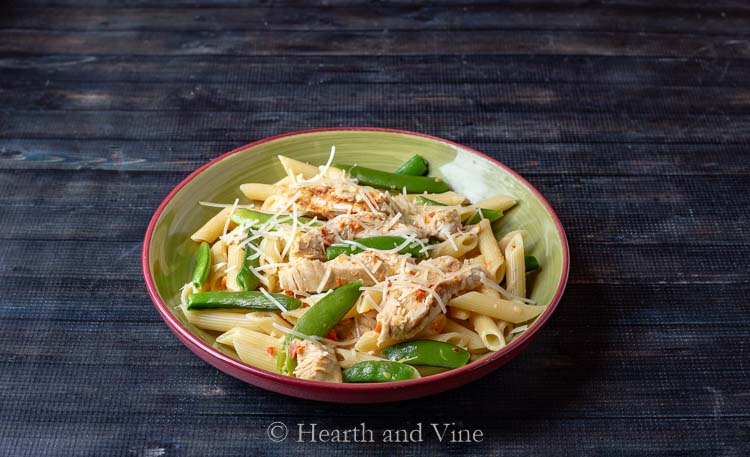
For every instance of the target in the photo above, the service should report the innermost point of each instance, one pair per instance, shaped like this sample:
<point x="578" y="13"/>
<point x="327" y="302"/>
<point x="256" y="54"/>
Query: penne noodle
<point x="446" y="198"/>
<point x="503" y="242"/>
<point x="515" y="270"/>
<point x="256" y="191"/>
<point x="497" y="202"/>
<point x="367" y="342"/>
<point x="235" y="259"/>
<point x="257" y="349"/>
<point x="212" y="229"/>
<point x="348" y="357"/>
<point x="218" y="266"/>
<point x="488" y="331"/>
<point x="475" y="343"/>
<point x="464" y="243"/>
<point x="457" y="313"/>
<point x="490" y="304"/>
<point x="368" y="300"/>
<point x="493" y="258"/>
<point x="294" y="168"/>
<point x="456" y="338"/>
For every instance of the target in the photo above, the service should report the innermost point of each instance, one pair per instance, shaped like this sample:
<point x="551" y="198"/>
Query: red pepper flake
<point x="331" y="335"/>
<point x="455" y="350"/>
<point x="295" y="349"/>
<point x="421" y="294"/>
<point x="378" y="327"/>
<point x="270" y="350"/>
<point x="323" y="232"/>
<point x="289" y="293"/>
<point x="390" y="284"/>
<point x="340" y="282"/>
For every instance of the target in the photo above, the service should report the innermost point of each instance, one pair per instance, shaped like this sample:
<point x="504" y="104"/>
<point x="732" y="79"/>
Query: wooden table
<point x="633" y="118"/>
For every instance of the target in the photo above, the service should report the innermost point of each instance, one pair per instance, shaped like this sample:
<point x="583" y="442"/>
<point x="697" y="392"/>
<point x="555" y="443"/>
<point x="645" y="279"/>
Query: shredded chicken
<point x="308" y="275"/>
<point x="315" y="362"/>
<point x="407" y="312"/>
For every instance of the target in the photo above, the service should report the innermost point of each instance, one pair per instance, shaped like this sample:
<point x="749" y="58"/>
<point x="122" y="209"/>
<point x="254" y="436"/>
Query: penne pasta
<point x="490" y="304"/>
<point x="348" y="357"/>
<point x="515" y="270"/>
<point x="455" y="338"/>
<point x="503" y="242"/>
<point x="235" y="259"/>
<point x="493" y="258"/>
<point x="446" y="198"/>
<point x="458" y="313"/>
<point x="256" y="191"/>
<point x="294" y="168"/>
<point x="463" y="243"/>
<point x="212" y="229"/>
<point x="488" y="331"/>
<point x="475" y="343"/>
<point x="497" y="202"/>
<point x="218" y="266"/>
<point x="257" y="349"/>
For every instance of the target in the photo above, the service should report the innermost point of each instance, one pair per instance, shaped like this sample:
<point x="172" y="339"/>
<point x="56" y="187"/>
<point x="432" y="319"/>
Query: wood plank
<point x="314" y="70"/>
<point x="392" y="17"/>
<point x="414" y="98"/>
<point x="481" y="126"/>
<point x="657" y="209"/>
<point x="345" y="43"/>
<point x="529" y="159"/>
<point x="697" y="6"/>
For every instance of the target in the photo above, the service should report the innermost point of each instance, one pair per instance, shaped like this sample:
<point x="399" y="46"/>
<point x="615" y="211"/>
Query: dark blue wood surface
<point x="632" y="117"/>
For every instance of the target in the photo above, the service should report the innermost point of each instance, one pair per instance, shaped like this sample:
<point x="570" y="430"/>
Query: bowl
<point x="168" y="251"/>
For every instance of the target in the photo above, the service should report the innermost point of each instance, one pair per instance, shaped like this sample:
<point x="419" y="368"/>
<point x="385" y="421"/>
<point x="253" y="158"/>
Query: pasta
<point x="343" y="269"/>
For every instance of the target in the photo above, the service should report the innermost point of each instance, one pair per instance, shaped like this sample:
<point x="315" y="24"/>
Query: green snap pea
<point x="319" y="320"/>
<point x="202" y="265"/>
<point x="421" y="200"/>
<point x="428" y="352"/>
<point x="255" y="219"/>
<point x="531" y="263"/>
<point x="245" y="277"/>
<point x="379" y="371"/>
<point x="376" y="242"/>
<point x="385" y="180"/>
<point x="249" y="300"/>
<point x="482" y="213"/>
<point x="415" y="166"/>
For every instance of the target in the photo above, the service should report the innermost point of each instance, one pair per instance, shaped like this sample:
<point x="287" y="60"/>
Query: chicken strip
<point x="328" y="199"/>
<point x="312" y="245"/>
<point x="311" y="276"/>
<point x="315" y="361"/>
<point x="407" y="312"/>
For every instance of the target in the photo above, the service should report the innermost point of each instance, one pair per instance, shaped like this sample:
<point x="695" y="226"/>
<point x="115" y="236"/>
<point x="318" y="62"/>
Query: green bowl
<point x="168" y="251"/>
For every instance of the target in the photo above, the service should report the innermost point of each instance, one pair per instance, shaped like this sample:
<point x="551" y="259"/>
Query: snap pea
<point x="245" y="277"/>
<point x="255" y="219"/>
<point x="482" y="213"/>
<point x="319" y="320"/>
<point x="531" y="263"/>
<point x="379" y="371"/>
<point x="249" y="300"/>
<point x="385" y="180"/>
<point x="202" y="265"/>
<point x="415" y="166"/>
<point x="428" y="352"/>
<point x="375" y="242"/>
<point x="419" y="199"/>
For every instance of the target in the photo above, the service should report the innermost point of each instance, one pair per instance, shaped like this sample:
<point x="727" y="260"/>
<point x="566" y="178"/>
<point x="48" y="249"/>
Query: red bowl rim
<point x="208" y="351"/>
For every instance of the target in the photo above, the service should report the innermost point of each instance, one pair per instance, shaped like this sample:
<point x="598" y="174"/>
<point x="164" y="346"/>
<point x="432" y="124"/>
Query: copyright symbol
<point x="277" y="432"/>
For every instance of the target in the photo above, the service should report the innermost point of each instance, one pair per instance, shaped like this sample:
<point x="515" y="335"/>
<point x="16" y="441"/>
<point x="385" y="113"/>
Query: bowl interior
<point x="171" y="251"/>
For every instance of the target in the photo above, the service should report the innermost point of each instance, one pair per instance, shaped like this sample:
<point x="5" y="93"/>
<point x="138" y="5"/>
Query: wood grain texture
<point x="632" y="117"/>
